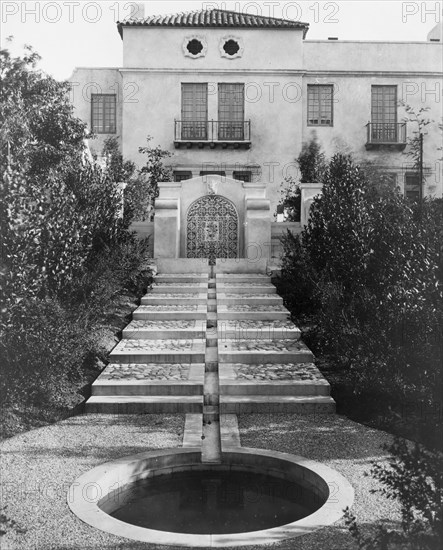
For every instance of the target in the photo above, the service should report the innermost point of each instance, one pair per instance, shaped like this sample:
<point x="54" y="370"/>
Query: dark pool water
<point x="214" y="502"/>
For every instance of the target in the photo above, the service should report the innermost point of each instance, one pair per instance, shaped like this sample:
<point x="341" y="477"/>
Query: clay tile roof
<point x="213" y="18"/>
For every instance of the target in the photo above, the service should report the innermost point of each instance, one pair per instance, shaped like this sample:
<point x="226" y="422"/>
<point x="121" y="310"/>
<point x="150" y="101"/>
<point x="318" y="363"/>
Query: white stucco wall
<point x="87" y="81"/>
<point x="161" y="47"/>
<point x="276" y="67"/>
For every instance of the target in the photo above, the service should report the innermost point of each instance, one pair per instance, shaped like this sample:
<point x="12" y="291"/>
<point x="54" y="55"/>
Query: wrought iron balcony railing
<point x="212" y="132"/>
<point x="386" y="133"/>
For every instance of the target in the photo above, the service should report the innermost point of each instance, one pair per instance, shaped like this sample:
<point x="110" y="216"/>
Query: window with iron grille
<point x="194" y="111"/>
<point x="103" y="113"/>
<point x="242" y="176"/>
<point x="412" y="186"/>
<point x="384" y="113"/>
<point x="231" y="111"/>
<point x="181" y="175"/>
<point x="320" y="104"/>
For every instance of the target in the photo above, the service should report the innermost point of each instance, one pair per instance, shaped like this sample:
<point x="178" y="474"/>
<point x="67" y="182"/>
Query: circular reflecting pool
<point x="214" y="502"/>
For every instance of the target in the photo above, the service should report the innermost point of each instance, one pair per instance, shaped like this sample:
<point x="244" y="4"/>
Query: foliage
<point x="414" y="478"/>
<point x="38" y="129"/>
<point x="312" y="164"/>
<point x="368" y="268"/>
<point x="291" y="200"/>
<point x="311" y="161"/>
<point x="49" y="231"/>
<point x="419" y="120"/>
<point x="117" y="169"/>
<point x="65" y="254"/>
<point x="142" y="192"/>
<point x="47" y="345"/>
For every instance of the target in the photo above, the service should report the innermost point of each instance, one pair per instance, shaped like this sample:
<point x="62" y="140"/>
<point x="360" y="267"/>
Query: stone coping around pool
<point x="90" y="493"/>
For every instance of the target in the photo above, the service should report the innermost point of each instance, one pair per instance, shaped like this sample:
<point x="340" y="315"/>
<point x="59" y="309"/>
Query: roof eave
<point x="302" y="26"/>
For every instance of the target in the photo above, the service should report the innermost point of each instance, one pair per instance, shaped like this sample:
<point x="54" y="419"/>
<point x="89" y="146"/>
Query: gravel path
<point x="337" y="442"/>
<point x="37" y="468"/>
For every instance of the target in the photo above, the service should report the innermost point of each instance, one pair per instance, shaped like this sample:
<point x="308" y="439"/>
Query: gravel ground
<point x="339" y="443"/>
<point x="37" y="468"/>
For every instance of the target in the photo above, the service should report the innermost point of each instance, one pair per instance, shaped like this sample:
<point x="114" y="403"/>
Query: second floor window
<point x="231" y="111"/>
<point x="320" y="104"/>
<point x="384" y="113"/>
<point x="103" y="113"/>
<point x="194" y="111"/>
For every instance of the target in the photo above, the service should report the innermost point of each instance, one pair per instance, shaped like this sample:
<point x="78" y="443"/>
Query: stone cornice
<point x="289" y="72"/>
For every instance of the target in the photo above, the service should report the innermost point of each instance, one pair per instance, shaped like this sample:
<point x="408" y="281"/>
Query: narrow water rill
<point x="211" y="342"/>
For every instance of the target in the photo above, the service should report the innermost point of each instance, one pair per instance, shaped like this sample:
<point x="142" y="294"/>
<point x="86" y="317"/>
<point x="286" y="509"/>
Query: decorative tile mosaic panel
<point x="212" y="228"/>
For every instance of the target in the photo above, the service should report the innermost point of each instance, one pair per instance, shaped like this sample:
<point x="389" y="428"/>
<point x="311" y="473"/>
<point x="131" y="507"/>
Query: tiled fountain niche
<point x="95" y="495"/>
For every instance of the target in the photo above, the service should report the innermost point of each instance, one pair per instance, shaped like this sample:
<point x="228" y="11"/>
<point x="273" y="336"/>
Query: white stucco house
<point x="236" y="95"/>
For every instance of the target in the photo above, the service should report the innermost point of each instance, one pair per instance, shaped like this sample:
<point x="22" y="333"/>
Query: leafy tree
<point x="38" y="129"/>
<point x="142" y="189"/>
<point x="313" y="166"/>
<point x="57" y="210"/>
<point x="311" y="161"/>
<point x="117" y="169"/>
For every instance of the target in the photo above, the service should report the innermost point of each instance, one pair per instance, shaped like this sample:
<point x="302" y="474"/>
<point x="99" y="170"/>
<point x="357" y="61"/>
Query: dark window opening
<point x="103" y="113"/>
<point x="181" y="175"/>
<point x="242" y="176"/>
<point x="412" y="186"/>
<point x="231" y="47"/>
<point x="194" y="125"/>
<point x="320" y="104"/>
<point x="194" y="46"/>
<point x="212" y="172"/>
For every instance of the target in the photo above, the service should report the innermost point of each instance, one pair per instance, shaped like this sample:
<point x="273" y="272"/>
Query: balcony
<point x="386" y="135"/>
<point x="212" y="133"/>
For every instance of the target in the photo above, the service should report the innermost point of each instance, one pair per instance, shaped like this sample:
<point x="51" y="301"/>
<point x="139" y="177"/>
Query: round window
<point x="231" y="47"/>
<point x="194" y="46"/>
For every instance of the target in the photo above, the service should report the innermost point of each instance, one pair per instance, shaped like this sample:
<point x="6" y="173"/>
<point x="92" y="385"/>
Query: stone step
<point x="159" y="351"/>
<point x="272" y="379"/>
<point x="138" y="404"/>
<point x="246" y="288"/>
<point x="181" y="278"/>
<point x="249" y="299"/>
<point x="165" y="330"/>
<point x="179" y="288"/>
<point x="174" y="298"/>
<point x="246" y="311"/>
<point x="242" y="278"/>
<point x="250" y="329"/>
<point x="274" y="404"/>
<point x="264" y="351"/>
<point x="170" y="312"/>
<point x="150" y="379"/>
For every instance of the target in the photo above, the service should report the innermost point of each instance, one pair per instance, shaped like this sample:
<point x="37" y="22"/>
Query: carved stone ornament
<point x="195" y="46"/>
<point x="231" y="47"/>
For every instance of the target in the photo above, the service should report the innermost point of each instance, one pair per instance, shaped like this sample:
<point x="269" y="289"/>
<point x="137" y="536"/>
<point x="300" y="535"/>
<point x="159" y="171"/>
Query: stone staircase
<point x="211" y="343"/>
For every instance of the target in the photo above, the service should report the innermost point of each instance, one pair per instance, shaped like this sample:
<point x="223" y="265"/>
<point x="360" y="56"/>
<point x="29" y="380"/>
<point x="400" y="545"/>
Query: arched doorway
<point x="212" y="228"/>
